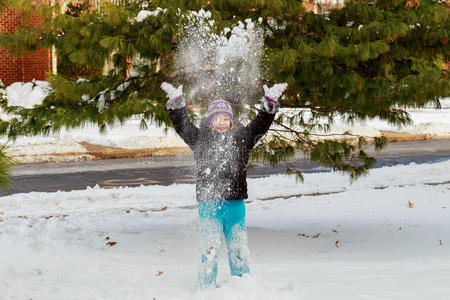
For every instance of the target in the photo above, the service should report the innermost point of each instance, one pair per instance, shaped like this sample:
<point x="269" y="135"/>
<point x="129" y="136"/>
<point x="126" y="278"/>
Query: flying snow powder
<point x="219" y="65"/>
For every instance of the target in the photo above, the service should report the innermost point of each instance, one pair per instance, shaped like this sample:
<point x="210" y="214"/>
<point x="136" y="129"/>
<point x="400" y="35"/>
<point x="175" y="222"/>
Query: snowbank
<point x="384" y="237"/>
<point x="27" y="94"/>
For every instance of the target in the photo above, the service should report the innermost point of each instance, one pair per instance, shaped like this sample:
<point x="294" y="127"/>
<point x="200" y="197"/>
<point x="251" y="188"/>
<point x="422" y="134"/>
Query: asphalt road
<point x="51" y="177"/>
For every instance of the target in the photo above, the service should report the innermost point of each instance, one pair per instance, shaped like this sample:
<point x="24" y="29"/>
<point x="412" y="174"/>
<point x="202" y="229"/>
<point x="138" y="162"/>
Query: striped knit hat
<point x="219" y="107"/>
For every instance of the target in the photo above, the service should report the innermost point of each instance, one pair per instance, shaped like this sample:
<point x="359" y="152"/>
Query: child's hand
<point x="171" y="91"/>
<point x="174" y="95"/>
<point x="272" y="94"/>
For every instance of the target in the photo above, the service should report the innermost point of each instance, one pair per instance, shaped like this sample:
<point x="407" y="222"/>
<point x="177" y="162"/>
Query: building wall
<point x="31" y="65"/>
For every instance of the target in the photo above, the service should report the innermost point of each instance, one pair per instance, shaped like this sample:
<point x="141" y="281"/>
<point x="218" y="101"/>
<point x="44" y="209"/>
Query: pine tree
<point x="3" y="95"/>
<point x="5" y="160"/>
<point x="368" y="59"/>
<point x="65" y="67"/>
<point x="4" y="4"/>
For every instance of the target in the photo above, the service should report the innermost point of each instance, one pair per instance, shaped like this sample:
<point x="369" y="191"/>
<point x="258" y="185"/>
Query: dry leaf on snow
<point x="313" y="236"/>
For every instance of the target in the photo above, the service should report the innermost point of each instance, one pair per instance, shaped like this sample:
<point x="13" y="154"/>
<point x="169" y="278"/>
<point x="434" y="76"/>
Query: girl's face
<point x="221" y="123"/>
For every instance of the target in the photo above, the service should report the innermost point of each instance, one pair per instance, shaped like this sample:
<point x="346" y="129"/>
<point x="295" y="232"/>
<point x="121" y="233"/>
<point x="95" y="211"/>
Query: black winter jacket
<point x="221" y="158"/>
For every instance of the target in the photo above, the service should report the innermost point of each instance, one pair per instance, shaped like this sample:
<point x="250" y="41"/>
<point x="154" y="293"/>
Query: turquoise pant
<point x="218" y="218"/>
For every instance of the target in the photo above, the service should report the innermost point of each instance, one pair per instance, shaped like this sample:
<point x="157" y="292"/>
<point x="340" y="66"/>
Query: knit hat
<point x="219" y="107"/>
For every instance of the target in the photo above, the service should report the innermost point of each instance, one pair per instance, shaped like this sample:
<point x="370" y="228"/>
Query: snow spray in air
<point x="222" y="65"/>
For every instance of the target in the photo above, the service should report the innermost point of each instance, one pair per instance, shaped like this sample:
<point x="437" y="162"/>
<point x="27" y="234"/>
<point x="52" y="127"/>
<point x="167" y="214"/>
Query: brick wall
<point x="32" y="65"/>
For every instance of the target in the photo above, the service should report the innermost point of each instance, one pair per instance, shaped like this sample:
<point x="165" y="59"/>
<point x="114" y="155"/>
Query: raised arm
<point x="176" y="105"/>
<point x="269" y="107"/>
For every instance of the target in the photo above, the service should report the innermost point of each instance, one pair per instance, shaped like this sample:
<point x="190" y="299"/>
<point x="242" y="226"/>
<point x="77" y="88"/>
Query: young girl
<point x="221" y="147"/>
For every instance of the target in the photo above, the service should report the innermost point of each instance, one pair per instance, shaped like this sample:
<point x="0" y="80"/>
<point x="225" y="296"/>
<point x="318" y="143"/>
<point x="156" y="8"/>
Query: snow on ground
<point x="127" y="136"/>
<point x="386" y="236"/>
<point x="44" y="149"/>
<point x="434" y="122"/>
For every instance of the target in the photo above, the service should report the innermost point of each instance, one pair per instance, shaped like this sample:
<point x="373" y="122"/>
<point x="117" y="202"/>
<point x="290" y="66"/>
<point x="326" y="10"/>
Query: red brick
<point x="30" y="65"/>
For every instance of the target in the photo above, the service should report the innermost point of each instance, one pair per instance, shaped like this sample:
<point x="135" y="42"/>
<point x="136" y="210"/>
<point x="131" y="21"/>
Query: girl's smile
<point x="221" y="123"/>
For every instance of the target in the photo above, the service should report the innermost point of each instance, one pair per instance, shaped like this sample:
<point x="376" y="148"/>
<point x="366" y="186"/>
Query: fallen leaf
<point x="111" y="243"/>
<point x="334" y="230"/>
<point x="107" y="238"/>
<point x="382" y="187"/>
<point x="159" y="273"/>
<point x="336" y="244"/>
<point x="1" y="213"/>
<point x="410" y="204"/>
<point x="164" y="208"/>
<point x="314" y="236"/>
